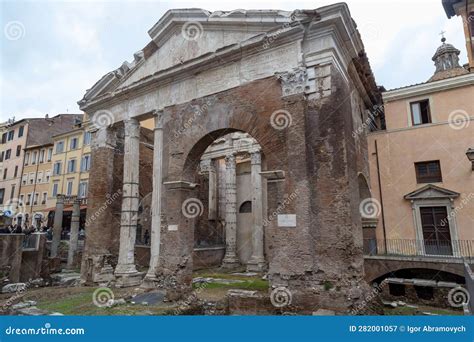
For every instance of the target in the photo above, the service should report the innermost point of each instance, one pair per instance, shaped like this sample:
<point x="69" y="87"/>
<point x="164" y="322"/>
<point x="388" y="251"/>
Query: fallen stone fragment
<point x="10" y="288"/>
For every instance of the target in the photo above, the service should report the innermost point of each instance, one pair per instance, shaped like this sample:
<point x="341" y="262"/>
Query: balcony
<point x="426" y="249"/>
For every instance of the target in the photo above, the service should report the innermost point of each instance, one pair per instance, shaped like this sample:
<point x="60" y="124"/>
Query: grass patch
<point x="81" y="304"/>
<point x="250" y="284"/>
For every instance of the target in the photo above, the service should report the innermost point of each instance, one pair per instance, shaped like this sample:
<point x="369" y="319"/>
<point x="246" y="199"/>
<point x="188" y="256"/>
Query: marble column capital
<point x="159" y="118"/>
<point x="132" y="127"/>
<point x="230" y="159"/>
<point x="255" y="156"/>
<point x="207" y="165"/>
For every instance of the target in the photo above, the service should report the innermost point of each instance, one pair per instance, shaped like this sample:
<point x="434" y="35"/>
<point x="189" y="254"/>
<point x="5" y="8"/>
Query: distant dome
<point x="446" y="60"/>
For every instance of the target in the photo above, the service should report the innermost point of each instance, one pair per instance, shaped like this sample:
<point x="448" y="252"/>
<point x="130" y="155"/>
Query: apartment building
<point x="17" y="139"/>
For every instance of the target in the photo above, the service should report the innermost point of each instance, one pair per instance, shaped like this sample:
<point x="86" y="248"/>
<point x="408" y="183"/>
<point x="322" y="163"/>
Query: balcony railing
<point x="456" y="249"/>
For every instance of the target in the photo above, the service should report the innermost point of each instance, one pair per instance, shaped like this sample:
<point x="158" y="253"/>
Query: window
<point x="69" y="188"/>
<point x="2" y="195"/>
<point x="22" y="198"/>
<point x="2" y="155"/>
<point x="4" y="138"/>
<point x="5" y="171"/>
<point x="428" y="172"/>
<point x="87" y="138"/>
<point x="18" y="150"/>
<point x="36" y="198"/>
<point x="45" y="196"/>
<point x="71" y="166"/>
<point x="41" y="160"/>
<point x="39" y="177"/>
<point x="15" y="173"/>
<point x="86" y="163"/>
<point x="32" y="178"/>
<point x="57" y="168"/>
<point x="59" y="146"/>
<point x="74" y="143"/>
<point x="20" y="131"/>
<point x="33" y="157"/>
<point x="8" y="154"/>
<point x="24" y="179"/>
<point x="12" y="193"/>
<point x="55" y="189"/>
<point x="47" y="176"/>
<point x="83" y="185"/>
<point x="27" y="158"/>
<point x="28" y="199"/>
<point x="420" y="112"/>
<point x="11" y="135"/>
<point x="50" y="154"/>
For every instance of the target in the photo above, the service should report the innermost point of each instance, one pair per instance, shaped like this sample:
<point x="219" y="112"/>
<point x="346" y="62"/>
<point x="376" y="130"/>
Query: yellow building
<point x="34" y="190"/>
<point x="71" y="162"/>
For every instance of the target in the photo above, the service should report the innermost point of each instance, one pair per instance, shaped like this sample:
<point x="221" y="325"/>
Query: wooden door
<point x="436" y="235"/>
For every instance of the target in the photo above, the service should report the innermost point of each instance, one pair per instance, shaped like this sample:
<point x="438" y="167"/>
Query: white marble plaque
<point x="172" y="227"/>
<point x="287" y="220"/>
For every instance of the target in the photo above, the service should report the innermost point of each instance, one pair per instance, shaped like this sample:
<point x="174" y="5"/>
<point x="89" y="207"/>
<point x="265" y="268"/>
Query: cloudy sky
<point x="52" y="51"/>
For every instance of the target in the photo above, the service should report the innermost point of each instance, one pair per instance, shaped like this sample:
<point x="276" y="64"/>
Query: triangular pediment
<point x="431" y="191"/>
<point x="182" y="35"/>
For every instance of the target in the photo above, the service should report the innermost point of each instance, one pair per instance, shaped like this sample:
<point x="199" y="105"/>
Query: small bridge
<point x="385" y="258"/>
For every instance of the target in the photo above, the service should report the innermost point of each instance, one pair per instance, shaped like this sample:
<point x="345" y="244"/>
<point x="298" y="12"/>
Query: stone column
<point x="57" y="225"/>
<point x="73" y="238"/>
<point x="230" y="258"/>
<point x="207" y="168"/>
<point x="150" y="278"/>
<point x="257" y="260"/>
<point x="126" y="272"/>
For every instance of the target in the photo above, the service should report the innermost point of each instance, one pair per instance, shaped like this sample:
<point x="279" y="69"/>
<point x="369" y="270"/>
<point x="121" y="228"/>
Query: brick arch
<point x="378" y="269"/>
<point x="190" y="128"/>
<point x="246" y="109"/>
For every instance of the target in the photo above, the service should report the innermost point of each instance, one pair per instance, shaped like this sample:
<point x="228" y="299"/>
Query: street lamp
<point x="470" y="156"/>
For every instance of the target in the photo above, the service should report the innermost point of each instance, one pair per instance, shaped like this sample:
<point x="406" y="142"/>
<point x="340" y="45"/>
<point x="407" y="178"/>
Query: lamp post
<point x="470" y="156"/>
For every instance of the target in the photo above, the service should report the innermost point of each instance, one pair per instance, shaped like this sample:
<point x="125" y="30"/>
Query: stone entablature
<point x="235" y="64"/>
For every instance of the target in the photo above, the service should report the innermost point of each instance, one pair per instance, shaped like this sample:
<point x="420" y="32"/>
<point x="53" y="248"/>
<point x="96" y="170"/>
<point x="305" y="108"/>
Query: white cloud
<point x="81" y="41"/>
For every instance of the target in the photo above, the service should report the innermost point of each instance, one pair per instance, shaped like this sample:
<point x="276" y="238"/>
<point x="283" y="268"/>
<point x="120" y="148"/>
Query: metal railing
<point x="457" y="249"/>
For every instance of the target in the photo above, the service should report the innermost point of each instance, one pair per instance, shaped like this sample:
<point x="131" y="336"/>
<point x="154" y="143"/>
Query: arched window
<point x="246" y="207"/>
